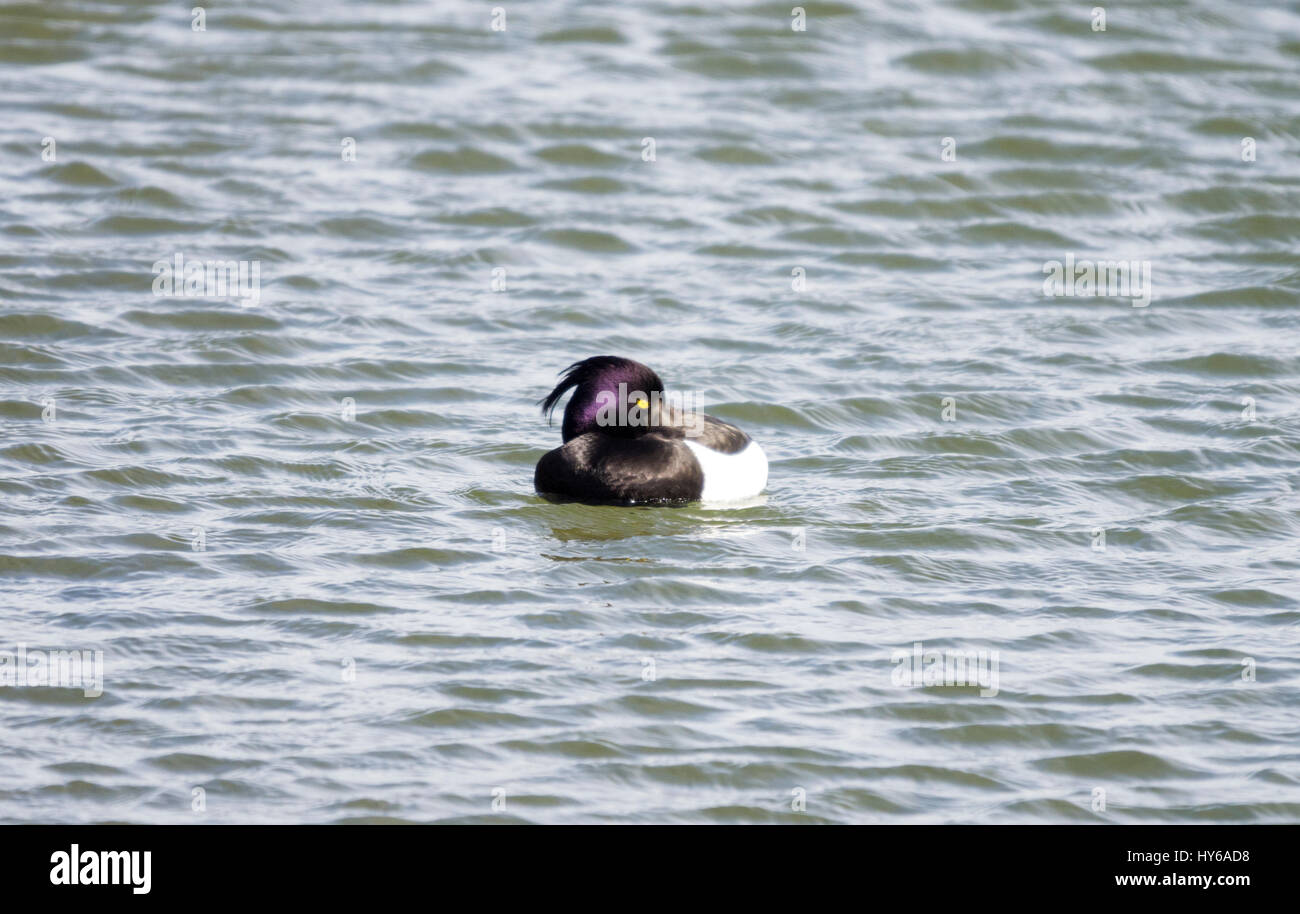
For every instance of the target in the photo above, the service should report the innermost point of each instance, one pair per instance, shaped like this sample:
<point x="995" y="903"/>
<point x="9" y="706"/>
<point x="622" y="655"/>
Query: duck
<point x="628" y="442"/>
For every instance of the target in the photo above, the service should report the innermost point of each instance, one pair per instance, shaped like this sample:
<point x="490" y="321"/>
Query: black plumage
<point x="637" y="462"/>
<point x="642" y="470"/>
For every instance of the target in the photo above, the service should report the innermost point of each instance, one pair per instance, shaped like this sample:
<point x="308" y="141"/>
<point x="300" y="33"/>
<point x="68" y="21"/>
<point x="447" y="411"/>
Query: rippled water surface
<point x="317" y="616"/>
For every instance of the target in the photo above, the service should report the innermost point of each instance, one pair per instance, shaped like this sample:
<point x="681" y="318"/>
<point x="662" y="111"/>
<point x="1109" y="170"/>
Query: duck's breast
<point x="596" y="467"/>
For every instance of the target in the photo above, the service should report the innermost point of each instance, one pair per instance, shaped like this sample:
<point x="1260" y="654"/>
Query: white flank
<point x="731" y="477"/>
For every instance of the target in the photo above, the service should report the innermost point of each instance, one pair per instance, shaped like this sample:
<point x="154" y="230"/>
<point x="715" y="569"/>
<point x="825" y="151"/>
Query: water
<point x="310" y="616"/>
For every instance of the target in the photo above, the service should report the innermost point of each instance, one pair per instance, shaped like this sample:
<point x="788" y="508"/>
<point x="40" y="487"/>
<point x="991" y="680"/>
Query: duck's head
<point x="611" y="395"/>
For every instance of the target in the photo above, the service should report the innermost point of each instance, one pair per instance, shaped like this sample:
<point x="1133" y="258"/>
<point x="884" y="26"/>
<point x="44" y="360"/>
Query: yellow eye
<point x="643" y="404"/>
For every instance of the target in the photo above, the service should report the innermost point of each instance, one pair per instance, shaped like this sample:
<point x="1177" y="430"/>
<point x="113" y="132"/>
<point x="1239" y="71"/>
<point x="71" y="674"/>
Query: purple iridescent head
<point x="611" y="395"/>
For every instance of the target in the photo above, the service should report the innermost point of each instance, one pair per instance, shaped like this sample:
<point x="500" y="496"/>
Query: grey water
<point x="297" y="519"/>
